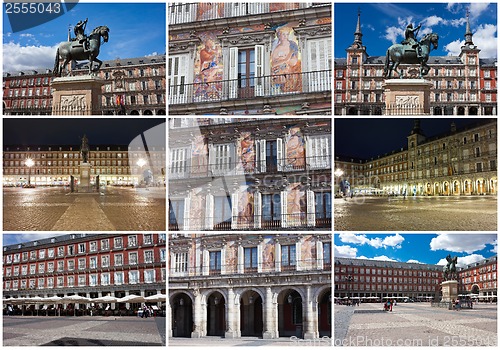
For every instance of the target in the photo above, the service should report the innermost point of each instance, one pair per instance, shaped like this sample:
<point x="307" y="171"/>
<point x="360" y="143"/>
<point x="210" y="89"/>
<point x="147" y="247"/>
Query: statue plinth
<point x="450" y="291"/>
<point x="84" y="185"/>
<point x="407" y="96"/>
<point x="80" y="95"/>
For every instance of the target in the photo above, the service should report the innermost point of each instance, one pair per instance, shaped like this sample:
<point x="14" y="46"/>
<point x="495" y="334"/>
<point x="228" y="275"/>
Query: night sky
<point x="370" y="137"/>
<point x="54" y="131"/>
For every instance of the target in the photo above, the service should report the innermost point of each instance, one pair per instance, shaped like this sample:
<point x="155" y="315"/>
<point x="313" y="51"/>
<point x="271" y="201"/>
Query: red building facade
<point x="480" y="278"/>
<point x="90" y="265"/>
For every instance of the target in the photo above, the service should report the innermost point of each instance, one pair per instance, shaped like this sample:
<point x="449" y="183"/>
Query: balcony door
<point x="246" y="68"/>
<point x="319" y="62"/>
<point x="177" y="78"/>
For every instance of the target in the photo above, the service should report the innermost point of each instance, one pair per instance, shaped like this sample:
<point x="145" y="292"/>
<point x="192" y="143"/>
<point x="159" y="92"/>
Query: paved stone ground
<point x="55" y="209"/>
<point x="418" y="324"/>
<point x="476" y="213"/>
<point x="247" y="341"/>
<point x="85" y="330"/>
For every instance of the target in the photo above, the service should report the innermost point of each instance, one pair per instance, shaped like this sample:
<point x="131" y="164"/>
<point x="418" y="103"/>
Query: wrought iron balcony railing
<point x="191" y="12"/>
<point x="248" y="88"/>
<point x="181" y="169"/>
<point x="299" y="220"/>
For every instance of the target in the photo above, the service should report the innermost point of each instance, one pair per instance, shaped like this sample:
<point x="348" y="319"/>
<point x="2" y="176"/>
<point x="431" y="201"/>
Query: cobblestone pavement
<point x="477" y="213"/>
<point x="247" y="341"/>
<point x="55" y="209"/>
<point x="85" y="330"/>
<point x="418" y="324"/>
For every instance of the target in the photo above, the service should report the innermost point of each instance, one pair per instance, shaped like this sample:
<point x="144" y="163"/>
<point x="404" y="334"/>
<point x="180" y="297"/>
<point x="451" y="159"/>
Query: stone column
<point x="309" y="332"/>
<point x="127" y="305"/>
<point x="270" y="331"/>
<point x="197" y="316"/>
<point x="168" y="309"/>
<point x="230" y="310"/>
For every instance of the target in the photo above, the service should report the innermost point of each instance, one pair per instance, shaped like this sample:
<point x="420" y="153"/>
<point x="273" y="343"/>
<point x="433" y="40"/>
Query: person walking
<point x="391" y="302"/>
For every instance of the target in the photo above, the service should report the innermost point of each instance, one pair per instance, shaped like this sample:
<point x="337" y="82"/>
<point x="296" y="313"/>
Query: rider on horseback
<point x="80" y="34"/>
<point x="410" y="38"/>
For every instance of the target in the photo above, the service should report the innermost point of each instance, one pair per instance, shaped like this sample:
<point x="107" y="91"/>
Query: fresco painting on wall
<point x="268" y="254"/>
<point x="197" y="210"/>
<point x="274" y="7"/>
<point x="296" y="204"/>
<point x="199" y="156"/>
<point x="209" y="10"/>
<point x="245" y="209"/>
<point x="308" y="250"/>
<point x="231" y="257"/>
<point x="295" y="152"/>
<point x="208" y="68"/>
<point x="286" y="60"/>
<point x="246" y="152"/>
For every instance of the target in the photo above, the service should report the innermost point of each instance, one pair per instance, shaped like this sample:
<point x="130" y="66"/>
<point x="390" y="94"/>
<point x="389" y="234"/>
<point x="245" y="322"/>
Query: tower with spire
<point x="469" y="53"/>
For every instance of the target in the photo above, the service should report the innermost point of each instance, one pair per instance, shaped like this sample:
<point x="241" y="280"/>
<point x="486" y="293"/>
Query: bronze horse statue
<point x="450" y="270"/>
<point x="74" y="51"/>
<point x="398" y="53"/>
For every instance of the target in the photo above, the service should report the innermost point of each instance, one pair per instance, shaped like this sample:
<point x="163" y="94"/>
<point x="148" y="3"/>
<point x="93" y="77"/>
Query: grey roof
<point x="391" y="264"/>
<point x="479" y="263"/>
<point x="340" y="61"/>
<point x="46" y="241"/>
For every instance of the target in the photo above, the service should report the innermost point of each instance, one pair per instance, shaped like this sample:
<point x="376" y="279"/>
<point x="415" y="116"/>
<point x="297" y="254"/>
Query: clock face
<point x="471" y="46"/>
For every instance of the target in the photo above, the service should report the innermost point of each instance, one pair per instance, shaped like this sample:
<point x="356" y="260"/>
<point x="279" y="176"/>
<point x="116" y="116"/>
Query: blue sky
<point x="423" y="248"/>
<point x="384" y="23"/>
<point x="136" y="29"/>
<point x="14" y="238"/>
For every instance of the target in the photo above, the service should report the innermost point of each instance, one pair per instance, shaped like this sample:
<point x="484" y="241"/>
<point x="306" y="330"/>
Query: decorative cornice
<point x="259" y="37"/>
<point x="183" y="44"/>
<point x="314" y="31"/>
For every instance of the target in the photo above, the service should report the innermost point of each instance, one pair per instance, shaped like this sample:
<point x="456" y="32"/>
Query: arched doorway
<point x="467" y="187"/>
<point x="378" y="111"/>
<point x="325" y="314"/>
<point x="182" y="316"/>
<point x="446" y="188"/>
<point x="438" y="111"/>
<point x="147" y="112"/>
<point x="460" y="110"/>
<point x="352" y="111"/>
<point x="493" y="185"/>
<point x="290" y="314"/>
<point x="481" y="186"/>
<point x="472" y="110"/>
<point x="456" y="188"/>
<point x="161" y="112"/>
<point x="134" y="112"/>
<point x="251" y="321"/>
<point x="475" y="289"/>
<point x="436" y="188"/>
<point x="216" y="314"/>
<point x="428" y="189"/>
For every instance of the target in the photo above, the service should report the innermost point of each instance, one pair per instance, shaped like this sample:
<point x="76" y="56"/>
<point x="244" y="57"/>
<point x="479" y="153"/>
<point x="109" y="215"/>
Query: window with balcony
<point x="71" y="281"/>
<point x="178" y="78"/>
<point x="118" y="244"/>
<point x="118" y="259"/>
<point x="181" y="262"/>
<point x="17" y="258"/>
<point x="25" y="256"/>
<point x="271" y="210"/>
<point x="41" y="254"/>
<point x="323" y="208"/>
<point x="105" y="279"/>
<point x="319" y="152"/>
<point x="81" y="280"/>
<point x="105" y="244"/>
<point x="288" y="257"/>
<point x="250" y="259"/>
<point x="105" y="261"/>
<point x="149" y="276"/>
<point x="222" y="212"/>
<point x="60" y="251"/>
<point x="132" y="241"/>
<point x="93" y="262"/>
<point x="16" y="270"/>
<point x="81" y="264"/>
<point x="215" y="262"/>
<point x="33" y="255"/>
<point x="221" y="158"/>
<point x="50" y="253"/>
<point x="93" y="246"/>
<point x="81" y="248"/>
<point x="60" y="282"/>
<point x="71" y="250"/>
<point x="132" y="259"/>
<point x="148" y="257"/>
<point x="133" y="277"/>
<point x="93" y="280"/>
<point x="119" y="278"/>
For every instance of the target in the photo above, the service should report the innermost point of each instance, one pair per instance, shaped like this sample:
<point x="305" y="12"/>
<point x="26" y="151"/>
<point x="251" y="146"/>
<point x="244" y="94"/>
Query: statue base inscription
<point x="407" y="96"/>
<point x="80" y="95"/>
<point x="84" y="185"/>
<point x="450" y="291"/>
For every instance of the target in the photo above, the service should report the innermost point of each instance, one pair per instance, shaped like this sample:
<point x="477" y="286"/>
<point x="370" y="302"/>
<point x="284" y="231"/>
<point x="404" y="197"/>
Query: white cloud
<point x="453" y="48"/>
<point x="432" y="21"/>
<point x="461" y="243"/>
<point x="15" y="238"/>
<point x="454" y="7"/>
<point x="377" y="242"/>
<point x="18" y="58"/>
<point x="495" y="246"/>
<point x="392" y="33"/>
<point x="486" y="39"/>
<point x="414" y="261"/>
<point x="344" y="251"/>
<point x="463" y="261"/>
<point x="476" y="9"/>
<point x="378" y="258"/>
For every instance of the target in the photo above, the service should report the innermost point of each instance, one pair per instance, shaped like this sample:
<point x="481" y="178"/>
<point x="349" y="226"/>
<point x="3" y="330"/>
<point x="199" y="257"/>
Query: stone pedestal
<point x="407" y="96"/>
<point x="79" y="95"/>
<point x="84" y="185"/>
<point x="450" y="291"/>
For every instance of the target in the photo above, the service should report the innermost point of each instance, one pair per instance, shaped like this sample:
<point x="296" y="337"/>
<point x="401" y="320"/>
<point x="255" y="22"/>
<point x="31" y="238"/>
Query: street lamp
<point x="29" y="163"/>
<point x="338" y="174"/>
<point x="141" y="163"/>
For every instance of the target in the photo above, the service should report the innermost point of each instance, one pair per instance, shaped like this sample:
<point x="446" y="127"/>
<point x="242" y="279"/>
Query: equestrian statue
<point x="81" y="48"/>
<point x="450" y="270"/>
<point x="410" y="51"/>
